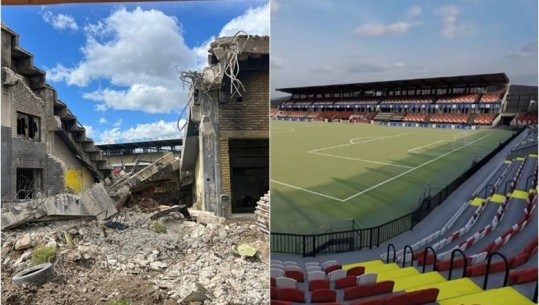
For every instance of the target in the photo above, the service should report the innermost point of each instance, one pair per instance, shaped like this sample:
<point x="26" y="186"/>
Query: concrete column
<point x="210" y="154"/>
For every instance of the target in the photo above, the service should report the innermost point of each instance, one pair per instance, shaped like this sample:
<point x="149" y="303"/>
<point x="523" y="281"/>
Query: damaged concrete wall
<point x="28" y="142"/>
<point x="230" y="107"/>
<point x="77" y="177"/>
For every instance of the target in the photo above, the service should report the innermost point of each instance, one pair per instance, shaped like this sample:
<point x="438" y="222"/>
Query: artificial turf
<point x="325" y="174"/>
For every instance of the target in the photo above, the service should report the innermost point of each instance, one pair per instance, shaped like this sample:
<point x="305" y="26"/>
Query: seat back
<point x="337" y="274"/>
<point x="292" y="295"/>
<point x="285" y="282"/>
<point x="357" y="271"/>
<point x="367" y="278"/>
<point x="318" y="284"/>
<point x="323" y="296"/>
<point x="316" y="275"/>
<point x="295" y="274"/>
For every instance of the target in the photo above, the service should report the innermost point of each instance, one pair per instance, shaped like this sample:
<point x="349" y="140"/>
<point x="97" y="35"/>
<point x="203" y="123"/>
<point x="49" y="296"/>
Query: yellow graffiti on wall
<point x="74" y="180"/>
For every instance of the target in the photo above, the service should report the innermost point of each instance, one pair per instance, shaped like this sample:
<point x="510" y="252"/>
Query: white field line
<point x="285" y="130"/>
<point x="306" y="190"/>
<point x="419" y="147"/>
<point x="348" y="144"/>
<point x="352" y="140"/>
<point x="360" y="160"/>
<point x="413" y="169"/>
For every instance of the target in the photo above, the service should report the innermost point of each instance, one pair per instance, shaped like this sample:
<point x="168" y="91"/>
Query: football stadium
<point x="415" y="191"/>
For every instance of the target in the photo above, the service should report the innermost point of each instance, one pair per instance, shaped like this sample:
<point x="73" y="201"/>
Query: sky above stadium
<point x="115" y="64"/>
<point x="331" y="42"/>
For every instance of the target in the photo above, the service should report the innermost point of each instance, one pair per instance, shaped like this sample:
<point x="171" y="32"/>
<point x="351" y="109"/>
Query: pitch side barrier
<point x="357" y="239"/>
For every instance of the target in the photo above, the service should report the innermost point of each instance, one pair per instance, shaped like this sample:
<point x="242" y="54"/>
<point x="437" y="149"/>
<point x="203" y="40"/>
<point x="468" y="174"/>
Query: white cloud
<point x="159" y="129"/>
<point x="118" y="123"/>
<point x="379" y="29"/>
<point x="60" y="21"/>
<point x="102" y="120"/>
<point x="151" y="99"/>
<point x="451" y="26"/>
<point x="89" y="131"/>
<point x="254" y="21"/>
<point x="136" y="51"/>
<point x="527" y="50"/>
<point x="414" y="11"/>
<point x="276" y="62"/>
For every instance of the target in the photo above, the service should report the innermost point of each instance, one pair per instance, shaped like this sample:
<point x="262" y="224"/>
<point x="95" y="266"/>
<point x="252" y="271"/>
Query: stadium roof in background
<point x="141" y="144"/>
<point x="407" y="84"/>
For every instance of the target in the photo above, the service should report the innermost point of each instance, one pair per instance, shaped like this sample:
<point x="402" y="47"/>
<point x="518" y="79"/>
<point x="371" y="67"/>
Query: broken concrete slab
<point x="206" y="217"/>
<point x="93" y="202"/>
<point x="145" y="173"/>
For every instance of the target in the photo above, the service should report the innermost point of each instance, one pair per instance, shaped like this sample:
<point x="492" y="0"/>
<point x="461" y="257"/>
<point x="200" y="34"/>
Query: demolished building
<point x="224" y="165"/>
<point x="44" y="148"/>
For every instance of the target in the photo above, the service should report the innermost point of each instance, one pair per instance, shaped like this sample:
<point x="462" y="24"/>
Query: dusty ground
<point x="141" y="266"/>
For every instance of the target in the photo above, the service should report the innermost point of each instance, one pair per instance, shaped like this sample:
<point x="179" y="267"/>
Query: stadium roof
<point x="407" y="84"/>
<point x="141" y="144"/>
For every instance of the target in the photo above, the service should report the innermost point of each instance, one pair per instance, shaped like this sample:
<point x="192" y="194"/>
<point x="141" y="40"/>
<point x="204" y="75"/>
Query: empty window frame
<point x="29" y="182"/>
<point x="28" y="127"/>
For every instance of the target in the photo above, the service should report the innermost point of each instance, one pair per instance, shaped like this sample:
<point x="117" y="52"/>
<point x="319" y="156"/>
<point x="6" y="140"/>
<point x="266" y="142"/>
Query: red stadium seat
<point x="361" y="291"/>
<point x="369" y="302"/>
<point x="398" y="299"/>
<point x="358" y="270"/>
<point x="384" y="287"/>
<point x="528" y="275"/>
<point x="275" y="293"/>
<point x="292" y="295"/>
<point x="273" y="282"/>
<point x="332" y="268"/>
<point x="345" y="282"/>
<point x="424" y="296"/>
<point x="323" y="296"/>
<point x="318" y="284"/>
<point x="295" y="274"/>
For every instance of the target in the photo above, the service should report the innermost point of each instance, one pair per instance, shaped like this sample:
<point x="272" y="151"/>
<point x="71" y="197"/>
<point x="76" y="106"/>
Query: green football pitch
<point x="325" y="174"/>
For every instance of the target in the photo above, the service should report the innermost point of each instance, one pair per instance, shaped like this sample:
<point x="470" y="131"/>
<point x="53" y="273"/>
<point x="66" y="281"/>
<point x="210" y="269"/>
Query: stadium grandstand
<point x="135" y="155"/>
<point x="374" y="214"/>
<point x="466" y="101"/>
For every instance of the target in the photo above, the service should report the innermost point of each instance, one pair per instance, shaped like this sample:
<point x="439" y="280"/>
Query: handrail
<point x="390" y="245"/>
<point x="486" y="189"/>
<point x="489" y="258"/>
<point x="528" y="180"/>
<point x="411" y="257"/>
<point x="452" y="260"/>
<point x="425" y="258"/>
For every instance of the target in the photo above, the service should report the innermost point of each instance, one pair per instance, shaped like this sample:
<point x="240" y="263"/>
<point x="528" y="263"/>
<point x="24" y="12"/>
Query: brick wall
<point x="252" y="113"/>
<point x="246" y="119"/>
<point x="27" y="153"/>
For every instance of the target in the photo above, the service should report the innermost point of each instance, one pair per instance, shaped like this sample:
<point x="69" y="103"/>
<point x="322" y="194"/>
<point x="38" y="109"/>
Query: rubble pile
<point x="121" y="243"/>
<point x="191" y="263"/>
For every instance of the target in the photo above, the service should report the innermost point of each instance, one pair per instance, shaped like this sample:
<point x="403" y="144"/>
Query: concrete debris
<point x="24" y="243"/>
<point x="245" y="250"/>
<point x="189" y="260"/>
<point x="93" y="202"/>
<point x="206" y="217"/>
<point x="262" y="213"/>
<point x="157" y="169"/>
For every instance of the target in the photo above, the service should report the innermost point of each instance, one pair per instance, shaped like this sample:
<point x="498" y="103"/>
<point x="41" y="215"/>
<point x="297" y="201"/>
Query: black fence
<point x="353" y="240"/>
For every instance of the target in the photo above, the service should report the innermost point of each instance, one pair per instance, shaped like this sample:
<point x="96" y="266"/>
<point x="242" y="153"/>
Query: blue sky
<point x="114" y="64"/>
<point x="331" y="42"/>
